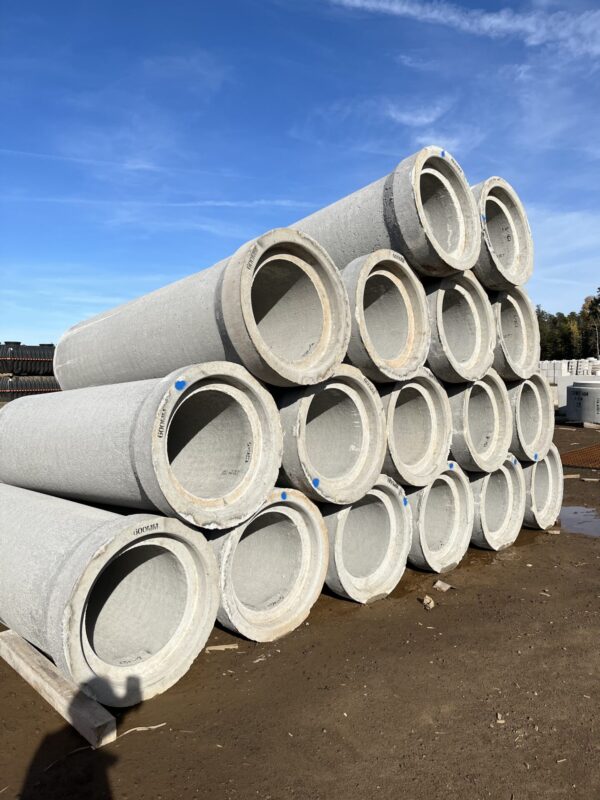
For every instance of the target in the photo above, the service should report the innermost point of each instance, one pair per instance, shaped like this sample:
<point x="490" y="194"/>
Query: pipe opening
<point x="513" y="331"/>
<point x="460" y="325"/>
<point x="542" y="483"/>
<point x="439" y="516"/>
<point x="441" y="210"/>
<point x="413" y="426"/>
<point x="209" y="442"/>
<point x="135" y="605"/>
<point x="386" y="315"/>
<point x="334" y="433"/>
<point x="287" y="309"/>
<point x="497" y="497"/>
<point x="267" y="561"/>
<point x="481" y="418"/>
<point x="531" y="415"/>
<point x="501" y="232"/>
<point x="366" y="536"/>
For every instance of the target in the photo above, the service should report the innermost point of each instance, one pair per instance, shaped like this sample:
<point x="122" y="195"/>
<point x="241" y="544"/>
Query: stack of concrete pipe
<point x="335" y="399"/>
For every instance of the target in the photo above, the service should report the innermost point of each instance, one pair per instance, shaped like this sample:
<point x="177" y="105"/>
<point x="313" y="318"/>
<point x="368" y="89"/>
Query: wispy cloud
<point x="419" y="116"/>
<point x="277" y="202"/>
<point x="417" y="62"/>
<point x="199" y="70"/>
<point x="576" y="33"/>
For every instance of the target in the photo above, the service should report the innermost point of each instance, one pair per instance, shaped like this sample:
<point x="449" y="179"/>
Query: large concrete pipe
<point x="369" y="542"/>
<point x="390" y="321"/>
<point x="533" y="417"/>
<point x="272" y="568"/>
<point x="463" y="332"/>
<point x="333" y="437"/>
<point x="544" y="483"/>
<point x="442" y="520"/>
<point x="418" y="428"/>
<point x="203" y="443"/>
<point x="499" y="499"/>
<point x="506" y="256"/>
<point x="122" y="604"/>
<point x="517" y="352"/>
<point x="277" y="306"/>
<point x="482" y="423"/>
<point x="424" y="210"/>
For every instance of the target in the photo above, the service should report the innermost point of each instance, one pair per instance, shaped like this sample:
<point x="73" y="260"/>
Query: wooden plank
<point x="87" y="716"/>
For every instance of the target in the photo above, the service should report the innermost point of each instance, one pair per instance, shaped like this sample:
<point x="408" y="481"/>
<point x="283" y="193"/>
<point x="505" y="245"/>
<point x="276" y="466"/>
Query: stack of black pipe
<point x="26" y="369"/>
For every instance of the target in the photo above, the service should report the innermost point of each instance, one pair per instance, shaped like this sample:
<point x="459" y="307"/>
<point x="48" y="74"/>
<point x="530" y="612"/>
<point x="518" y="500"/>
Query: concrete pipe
<point x="272" y="568"/>
<point x="122" y="605"/>
<point x="506" y="256"/>
<point x="418" y="429"/>
<point x="203" y="443"/>
<point x="517" y="352"/>
<point x="424" y="210"/>
<point x="463" y="333"/>
<point x="369" y="542"/>
<point x="390" y="320"/>
<point x="499" y="499"/>
<point x="442" y="520"/>
<point x="533" y="417"/>
<point x="333" y="437"/>
<point x="277" y="306"/>
<point x="544" y="483"/>
<point x="482" y="423"/>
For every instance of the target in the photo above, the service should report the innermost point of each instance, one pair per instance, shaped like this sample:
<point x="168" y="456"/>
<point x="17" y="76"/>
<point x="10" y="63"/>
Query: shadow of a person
<point x="60" y="771"/>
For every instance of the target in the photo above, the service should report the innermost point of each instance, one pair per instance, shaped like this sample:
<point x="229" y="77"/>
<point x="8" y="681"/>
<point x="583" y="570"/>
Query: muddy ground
<point x="492" y="694"/>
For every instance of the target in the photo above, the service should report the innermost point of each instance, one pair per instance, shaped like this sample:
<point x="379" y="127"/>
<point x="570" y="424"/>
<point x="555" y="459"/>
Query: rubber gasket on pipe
<point x="369" y="542"/>
<point x="443" y="513"/>
<point x="499" y="499"/>
<point x="333" y="437"/>
<point x="506" y="256"/>
<point x="272" y="568"/>
<point x="390" y="321"/>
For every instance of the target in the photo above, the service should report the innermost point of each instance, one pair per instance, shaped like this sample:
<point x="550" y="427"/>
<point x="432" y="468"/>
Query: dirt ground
<point x="494" y="693"/>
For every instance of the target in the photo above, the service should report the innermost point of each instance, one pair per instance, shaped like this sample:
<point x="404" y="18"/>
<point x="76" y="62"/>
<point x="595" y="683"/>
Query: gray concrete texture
<point x="544" y="483"/>
<point x="277" y="306"/>
<point x="272" y="568"/>
<point x="369" y="542"/>
<point x="499" y="502"/>
<point x="506" y="255"/>
<point x="463" y="329"/>
<point x="517" y="351"/>
<point x="423" y="210"/>
<point x="482" y="423"/>
<point x="333" y="437"/>
<point x="390" y="320"/>
<point x="122" y="604"/>
<point x="533" y="417"/>
<point x="204" y="444"/>
<point x="443" y="514"/>
<point x="418" y="428"/>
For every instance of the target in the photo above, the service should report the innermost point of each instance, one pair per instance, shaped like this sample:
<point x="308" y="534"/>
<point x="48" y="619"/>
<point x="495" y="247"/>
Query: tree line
<point x="574" y="335"/>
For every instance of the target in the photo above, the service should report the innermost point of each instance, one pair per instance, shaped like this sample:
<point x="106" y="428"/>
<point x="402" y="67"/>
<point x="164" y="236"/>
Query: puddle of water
<point x="579" y="519"/>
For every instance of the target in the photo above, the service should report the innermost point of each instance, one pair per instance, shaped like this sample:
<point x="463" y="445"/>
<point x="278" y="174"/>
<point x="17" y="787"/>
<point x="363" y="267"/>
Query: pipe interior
<point x="366" y="536"/>
<point x="267" y="561"/>
<point x="439" y="516"/>
<point x="542" y="483"/>
<point x="334" y="433"/>
<point x="208" y="443"/>
<point x="497" y="497"/>
<point x="501" y="232"/>
<point x="530" y="414"/>
<point x="135" y="605"/>
<point x="386" y="315"/>
<point x="441" y="210"/>
<point x="287" y="309"/>
<point x="481" y="419"/>
<point x="413" y="426"/>
<point x="513" y="331"/>
<point x="460" y="325"/>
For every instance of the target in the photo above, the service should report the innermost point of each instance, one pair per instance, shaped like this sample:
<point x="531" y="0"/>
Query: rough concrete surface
<point x="492" y="694"/>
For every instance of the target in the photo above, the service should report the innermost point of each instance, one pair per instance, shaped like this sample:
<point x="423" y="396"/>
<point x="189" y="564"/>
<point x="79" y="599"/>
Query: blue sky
<point x="142" y="141"/>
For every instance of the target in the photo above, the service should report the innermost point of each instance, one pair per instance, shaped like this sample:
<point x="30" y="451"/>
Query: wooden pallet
<point x="88" y="717"/>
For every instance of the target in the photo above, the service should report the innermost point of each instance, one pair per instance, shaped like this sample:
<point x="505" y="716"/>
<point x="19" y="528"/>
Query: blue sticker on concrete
<point x="284" y="495"/>
<point x="180" y="385"/>
<point x="316" y="482"/>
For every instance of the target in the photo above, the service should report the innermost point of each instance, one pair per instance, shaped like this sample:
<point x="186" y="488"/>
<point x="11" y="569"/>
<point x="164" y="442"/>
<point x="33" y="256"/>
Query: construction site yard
<point x="493" y="693"/>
